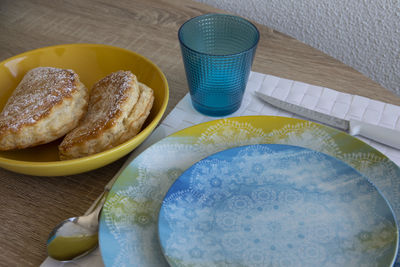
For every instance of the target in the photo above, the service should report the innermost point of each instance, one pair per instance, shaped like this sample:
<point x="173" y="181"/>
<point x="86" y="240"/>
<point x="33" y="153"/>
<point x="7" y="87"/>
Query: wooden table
<point x="31" y="206"/>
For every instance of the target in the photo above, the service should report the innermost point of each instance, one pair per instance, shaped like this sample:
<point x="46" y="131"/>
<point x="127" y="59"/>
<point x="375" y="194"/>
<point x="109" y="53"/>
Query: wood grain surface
<point x="31" y="206"/>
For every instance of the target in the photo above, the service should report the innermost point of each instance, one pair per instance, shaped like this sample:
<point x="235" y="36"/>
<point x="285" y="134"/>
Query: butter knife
<point x="377" y="133"/>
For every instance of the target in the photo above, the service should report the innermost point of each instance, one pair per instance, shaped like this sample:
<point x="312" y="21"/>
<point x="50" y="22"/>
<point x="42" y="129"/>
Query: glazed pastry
<point x="47" y="103"/>
<point x="118" y="107"/>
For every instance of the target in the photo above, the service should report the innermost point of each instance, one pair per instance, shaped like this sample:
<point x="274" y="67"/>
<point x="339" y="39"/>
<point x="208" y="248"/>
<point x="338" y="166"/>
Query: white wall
<point x="364" y="34"/>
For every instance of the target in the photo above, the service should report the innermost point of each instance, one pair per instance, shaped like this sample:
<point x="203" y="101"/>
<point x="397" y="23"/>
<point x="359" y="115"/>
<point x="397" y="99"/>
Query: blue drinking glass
<point x="218" y="51"/>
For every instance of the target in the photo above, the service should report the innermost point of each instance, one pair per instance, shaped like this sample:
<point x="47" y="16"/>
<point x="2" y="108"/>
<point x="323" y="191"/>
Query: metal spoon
<point x="77" y="236"/>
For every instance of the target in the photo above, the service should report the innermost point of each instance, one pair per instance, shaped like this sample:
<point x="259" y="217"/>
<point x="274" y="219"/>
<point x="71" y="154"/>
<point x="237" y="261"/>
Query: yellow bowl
<point x="92" y="62"/>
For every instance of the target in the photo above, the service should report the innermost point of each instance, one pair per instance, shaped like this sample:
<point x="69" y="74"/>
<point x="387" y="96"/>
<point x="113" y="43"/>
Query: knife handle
<point x="377" y="133"/>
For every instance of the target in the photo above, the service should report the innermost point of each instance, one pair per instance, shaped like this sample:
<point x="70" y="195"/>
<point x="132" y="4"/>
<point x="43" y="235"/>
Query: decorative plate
<point x="275" y="205"/>
<point x="128" y="224"/>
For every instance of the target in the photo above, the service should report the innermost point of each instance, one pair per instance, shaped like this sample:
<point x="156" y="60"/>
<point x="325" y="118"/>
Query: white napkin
<point x="313" y="97"/>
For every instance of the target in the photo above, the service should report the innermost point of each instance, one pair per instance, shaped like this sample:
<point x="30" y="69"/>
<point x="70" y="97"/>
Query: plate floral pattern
<point x="275" y="205"/>
<point x="128" y="224"/>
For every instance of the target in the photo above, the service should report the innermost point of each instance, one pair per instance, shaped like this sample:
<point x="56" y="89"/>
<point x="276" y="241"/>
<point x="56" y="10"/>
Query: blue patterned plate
<point x="128" y="234"/>
<point x="275" y="205"/>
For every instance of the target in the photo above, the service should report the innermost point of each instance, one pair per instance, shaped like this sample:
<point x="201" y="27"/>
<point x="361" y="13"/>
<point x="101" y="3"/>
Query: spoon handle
<point x="109" y="185"/>
<point x="101" y="198"/>
<point x="97" y="202"/>
<point x="157" y="135"/>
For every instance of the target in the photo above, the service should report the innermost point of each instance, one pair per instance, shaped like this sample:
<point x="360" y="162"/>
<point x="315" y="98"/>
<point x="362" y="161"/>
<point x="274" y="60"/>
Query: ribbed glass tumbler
<point x="218" y="51"/>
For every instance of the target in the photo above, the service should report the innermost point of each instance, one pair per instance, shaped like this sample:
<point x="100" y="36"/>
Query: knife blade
<point x="377" y="133"/>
